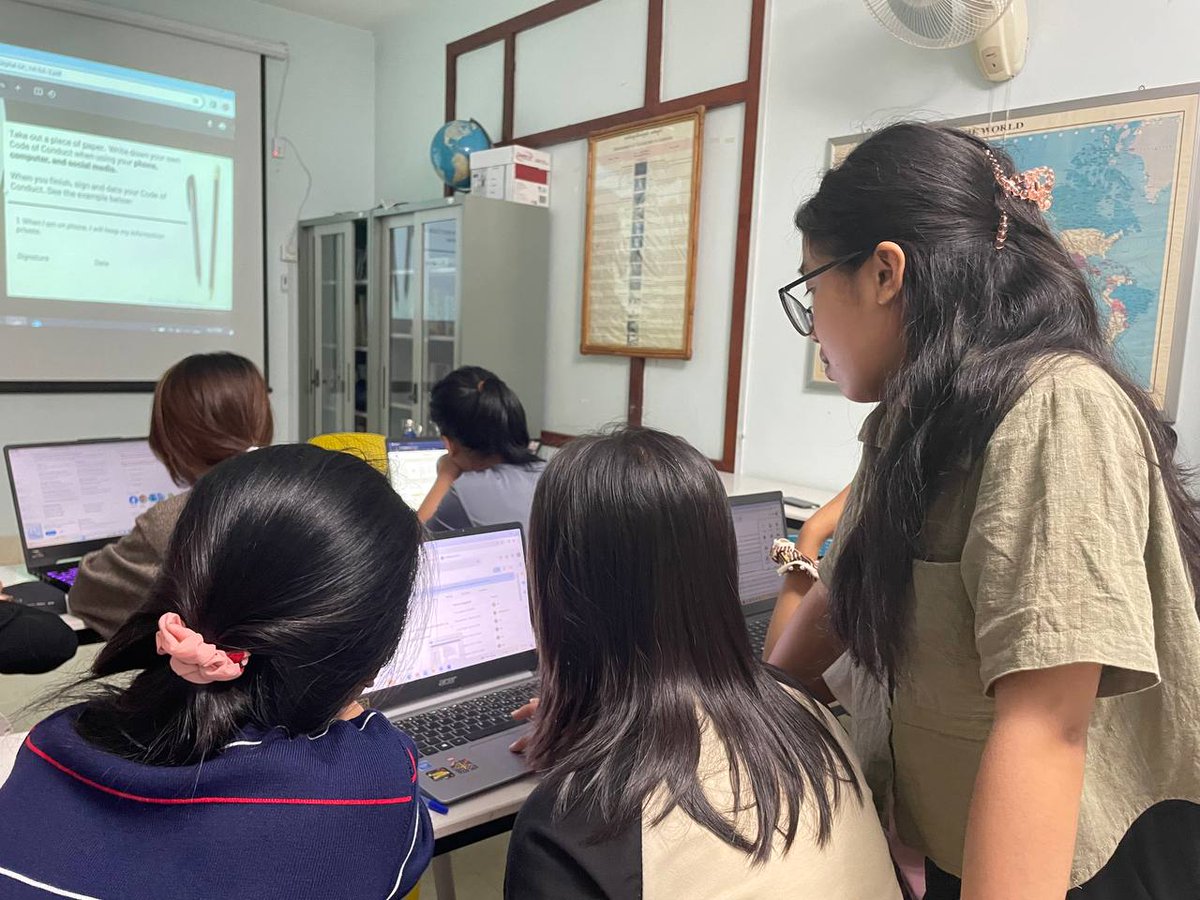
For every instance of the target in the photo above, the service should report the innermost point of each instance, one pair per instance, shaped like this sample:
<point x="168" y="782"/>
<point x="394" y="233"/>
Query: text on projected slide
<point x="117" y="185"/>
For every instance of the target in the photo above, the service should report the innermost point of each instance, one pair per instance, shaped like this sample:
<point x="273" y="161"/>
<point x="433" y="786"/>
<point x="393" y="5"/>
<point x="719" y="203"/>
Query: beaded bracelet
<point x="785" y="555"/>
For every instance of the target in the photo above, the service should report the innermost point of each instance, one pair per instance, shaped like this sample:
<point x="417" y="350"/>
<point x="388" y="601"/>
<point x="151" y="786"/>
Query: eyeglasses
<point x="799" y="313"/>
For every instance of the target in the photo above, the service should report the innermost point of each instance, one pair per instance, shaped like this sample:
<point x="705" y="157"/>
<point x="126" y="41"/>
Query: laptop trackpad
<point x="475" y="767"/>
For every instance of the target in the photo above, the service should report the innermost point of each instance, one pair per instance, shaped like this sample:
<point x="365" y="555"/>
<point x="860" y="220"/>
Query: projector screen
<point x="131" y="210"/>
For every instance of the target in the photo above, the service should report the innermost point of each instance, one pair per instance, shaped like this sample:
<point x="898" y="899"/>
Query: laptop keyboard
<point x="448" y="727"/>
<point x="758" y="633"/>
<point x="61" y="578"/>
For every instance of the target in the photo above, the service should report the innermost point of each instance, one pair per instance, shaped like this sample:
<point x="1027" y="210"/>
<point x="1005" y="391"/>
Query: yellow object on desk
<point x="363" y="444"/>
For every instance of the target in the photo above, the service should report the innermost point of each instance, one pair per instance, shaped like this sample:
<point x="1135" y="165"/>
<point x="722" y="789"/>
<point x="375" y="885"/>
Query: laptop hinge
<point x="451" y="697"/>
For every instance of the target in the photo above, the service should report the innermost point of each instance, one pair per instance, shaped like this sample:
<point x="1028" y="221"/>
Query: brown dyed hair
<point x="207" y="408"/>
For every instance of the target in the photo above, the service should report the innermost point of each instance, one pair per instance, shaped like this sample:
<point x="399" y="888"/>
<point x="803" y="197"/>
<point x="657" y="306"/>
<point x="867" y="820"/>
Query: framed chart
<point x="643" y="198"/>
<point x="1124" y="207"/>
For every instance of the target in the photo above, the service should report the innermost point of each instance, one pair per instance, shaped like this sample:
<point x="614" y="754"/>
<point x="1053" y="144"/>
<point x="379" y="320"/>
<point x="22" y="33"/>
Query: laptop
<point x="74" y="497"/>
<point x="758" y="521"/>
<point x="455" y="691"/>
<point x="412" y="468"/>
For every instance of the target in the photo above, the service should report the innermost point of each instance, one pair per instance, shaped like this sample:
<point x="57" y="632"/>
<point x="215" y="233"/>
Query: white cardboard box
<point x="511" y="155"/>
<point x="518" y="174"/>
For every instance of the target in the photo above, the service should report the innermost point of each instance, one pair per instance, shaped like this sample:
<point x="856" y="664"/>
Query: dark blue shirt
<point x="332" y="815"/>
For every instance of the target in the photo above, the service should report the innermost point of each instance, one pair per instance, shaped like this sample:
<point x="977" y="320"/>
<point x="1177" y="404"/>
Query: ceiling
<point x="359" y="13"/>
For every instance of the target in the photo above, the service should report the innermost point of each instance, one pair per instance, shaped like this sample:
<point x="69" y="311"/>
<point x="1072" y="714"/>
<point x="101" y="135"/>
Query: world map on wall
<point x="1113" y="193"/>
<point x="1123" y="183"/>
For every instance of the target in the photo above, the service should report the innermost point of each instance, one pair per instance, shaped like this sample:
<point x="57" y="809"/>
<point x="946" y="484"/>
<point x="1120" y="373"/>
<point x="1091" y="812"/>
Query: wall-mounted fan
<point x="998" y="28"/>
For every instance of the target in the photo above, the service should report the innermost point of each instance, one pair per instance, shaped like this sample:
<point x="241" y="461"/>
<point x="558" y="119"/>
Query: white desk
<point x="10" y="575"/>
<point x="470" y="821"/>
<point x="483" y="809"/>
<point x="752" y="484"/>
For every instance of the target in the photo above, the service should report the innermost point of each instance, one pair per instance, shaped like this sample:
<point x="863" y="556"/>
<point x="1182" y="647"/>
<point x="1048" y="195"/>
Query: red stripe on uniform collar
<point x="178" y="801"/>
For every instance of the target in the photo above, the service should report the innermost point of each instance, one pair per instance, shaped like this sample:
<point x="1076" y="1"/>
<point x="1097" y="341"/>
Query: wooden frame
<point x="746" y="92"/>
<point x="684" y="351"/>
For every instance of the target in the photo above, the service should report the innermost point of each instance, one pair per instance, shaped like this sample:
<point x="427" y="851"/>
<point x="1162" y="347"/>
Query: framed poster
<point x="643" y="198"/>
<point x="1124" y="207"/>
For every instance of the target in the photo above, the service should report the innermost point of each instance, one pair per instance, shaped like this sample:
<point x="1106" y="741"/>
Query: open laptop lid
<point x="73" y="497"/>
<point x="477" y="627"/>
<point x="757" y="521"/>
<point x="412" y="468"/>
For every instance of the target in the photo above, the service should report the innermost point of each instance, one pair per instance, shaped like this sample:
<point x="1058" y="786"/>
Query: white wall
<point x="328" y="112"/>
<point x="562" y="79"/>
<point x="362" y="111"/>
<point x="410" y="95"/>
<point x="830" y="71"/>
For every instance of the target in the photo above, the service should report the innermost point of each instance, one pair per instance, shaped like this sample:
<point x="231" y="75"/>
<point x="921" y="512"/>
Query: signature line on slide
<point x="96" y="212"/>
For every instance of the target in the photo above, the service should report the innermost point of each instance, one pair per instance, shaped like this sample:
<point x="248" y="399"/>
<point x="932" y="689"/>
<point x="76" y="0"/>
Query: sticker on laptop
<point x="439" y="774"/>
<point x="424" y="765"/>
<point x="463" y="765"/>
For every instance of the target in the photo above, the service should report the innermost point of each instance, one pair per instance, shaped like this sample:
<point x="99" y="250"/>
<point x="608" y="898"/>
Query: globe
<point x="451" y="151"/>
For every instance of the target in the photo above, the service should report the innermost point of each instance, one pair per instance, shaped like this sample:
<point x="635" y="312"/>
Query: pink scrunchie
<point x="191" y="658"/>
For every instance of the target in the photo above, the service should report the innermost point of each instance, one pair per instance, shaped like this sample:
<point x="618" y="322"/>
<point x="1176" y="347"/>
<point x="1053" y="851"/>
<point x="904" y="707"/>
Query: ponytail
<point x="474" y="407"/>
<point x="277" y="554"/>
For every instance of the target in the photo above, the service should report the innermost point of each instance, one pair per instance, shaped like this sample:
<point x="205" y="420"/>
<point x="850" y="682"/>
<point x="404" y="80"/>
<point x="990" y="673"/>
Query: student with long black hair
<point x="488" y="474"/>
<point x="237" y="761"/>
<point x="677" y="764"/>
<point x="1018" y="560"/>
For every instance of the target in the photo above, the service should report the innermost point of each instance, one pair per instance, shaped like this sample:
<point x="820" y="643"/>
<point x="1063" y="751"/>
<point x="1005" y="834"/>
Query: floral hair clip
<point x="1033" y="185"/>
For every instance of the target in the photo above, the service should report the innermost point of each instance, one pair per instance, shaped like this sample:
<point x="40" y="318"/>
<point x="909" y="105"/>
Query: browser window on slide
<point x="117" y="193"/>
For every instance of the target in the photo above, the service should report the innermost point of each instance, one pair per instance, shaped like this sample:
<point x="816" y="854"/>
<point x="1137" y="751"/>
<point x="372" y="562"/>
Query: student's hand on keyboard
<point x="523" y="713"/>
<point x="4" y="596"/>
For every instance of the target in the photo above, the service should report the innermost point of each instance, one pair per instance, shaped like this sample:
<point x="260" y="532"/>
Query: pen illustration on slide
<point x="212" y="255"/>
<point x="191" y="200"/>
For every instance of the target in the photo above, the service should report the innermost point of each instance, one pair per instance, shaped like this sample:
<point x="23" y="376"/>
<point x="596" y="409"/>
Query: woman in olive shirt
<point x="207" y="408"/>
<point x="1018" y="555"/>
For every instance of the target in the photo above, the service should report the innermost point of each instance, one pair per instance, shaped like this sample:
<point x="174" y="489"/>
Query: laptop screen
<point x="86" y="493"/>
<point x="478" y="595"/>
<point x="757" y="522"/>
<point x="412" y="468"/>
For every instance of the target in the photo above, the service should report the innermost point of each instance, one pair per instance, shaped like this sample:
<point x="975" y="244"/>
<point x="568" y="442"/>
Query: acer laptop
<point x="454" y="691"/>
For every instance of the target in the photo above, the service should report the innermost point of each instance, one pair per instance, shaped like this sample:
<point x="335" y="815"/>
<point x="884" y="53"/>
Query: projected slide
<point x="78" y="204"/>
<point x="118" y="197"/>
